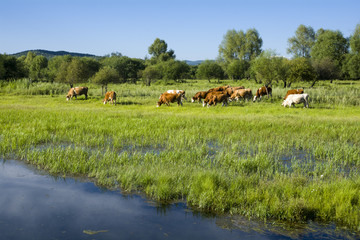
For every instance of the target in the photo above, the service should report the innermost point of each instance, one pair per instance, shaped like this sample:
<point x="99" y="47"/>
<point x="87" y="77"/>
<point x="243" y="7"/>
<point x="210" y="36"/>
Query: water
<point x="34" y="205"/>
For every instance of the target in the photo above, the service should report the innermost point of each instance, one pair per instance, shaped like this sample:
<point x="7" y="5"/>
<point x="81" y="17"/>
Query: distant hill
<point x="51" y="54"/>
<point x="194" y="62"/>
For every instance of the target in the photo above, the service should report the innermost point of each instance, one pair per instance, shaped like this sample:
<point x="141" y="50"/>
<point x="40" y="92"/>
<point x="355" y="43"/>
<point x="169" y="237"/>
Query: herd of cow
<point x="213" y="96"/>
<point x="225" y="94"/>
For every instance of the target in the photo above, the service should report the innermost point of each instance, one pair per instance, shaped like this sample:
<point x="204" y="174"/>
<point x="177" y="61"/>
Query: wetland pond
<point x="36" y="205"/>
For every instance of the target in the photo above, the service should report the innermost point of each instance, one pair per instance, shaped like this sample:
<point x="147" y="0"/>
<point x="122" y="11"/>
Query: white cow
<point x="296" y="99"/>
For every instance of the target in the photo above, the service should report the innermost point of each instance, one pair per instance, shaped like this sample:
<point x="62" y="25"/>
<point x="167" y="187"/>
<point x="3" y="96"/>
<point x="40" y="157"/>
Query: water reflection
<point x="34" y="205"/>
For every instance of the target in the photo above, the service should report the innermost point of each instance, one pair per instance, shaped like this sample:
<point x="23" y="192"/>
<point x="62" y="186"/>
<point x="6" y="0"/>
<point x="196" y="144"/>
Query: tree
<point x="38" y="67"/>
<point x="237" y="69"/>
<point x="330" y="44"/>
<point x="261" y="68"/>
<point x="326" y="69"/>
<point x="126" y="67"/>
<point x="12" y="68"/>
<point x="300" y="45"/>
<point x="159" y="51"/>
<point x="105" y="76"/>
<point x="351" y="66"/>
<point x="150" y="73"/>
<point x="355" y="41"/>
<point x="76" y="70"/>
<point x="174" y="70"/>
<point x="240" y="45"/>
<point x="2" y="68"/>
<point x="301" y="70"/>
<point x="210" y="69"/>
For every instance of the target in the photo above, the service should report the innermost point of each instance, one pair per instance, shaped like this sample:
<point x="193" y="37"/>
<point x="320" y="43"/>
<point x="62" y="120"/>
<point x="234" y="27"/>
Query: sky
<point x="194" y="29"/>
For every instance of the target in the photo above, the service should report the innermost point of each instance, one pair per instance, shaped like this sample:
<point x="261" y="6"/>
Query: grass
<point x="255" y="159"/>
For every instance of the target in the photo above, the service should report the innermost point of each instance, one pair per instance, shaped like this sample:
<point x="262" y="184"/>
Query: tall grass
<point x="255" y="159"/>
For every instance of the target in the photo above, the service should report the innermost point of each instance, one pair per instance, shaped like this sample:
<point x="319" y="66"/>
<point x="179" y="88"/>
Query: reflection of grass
<point x="218" y="159"/>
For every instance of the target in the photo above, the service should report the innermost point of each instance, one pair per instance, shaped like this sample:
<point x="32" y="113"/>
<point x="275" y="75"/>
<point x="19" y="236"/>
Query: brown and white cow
<point x="76" y="91"/>
<point x="241" y="94"/>
<point x="219" y="98"/>
<point x="294" y="91"/>
<point x="177" y="91"/>
<point x="110" y="97"/>
<point x="210" y="95"/>
<point x="217" y="89"/>
<point x="198" y="96"/>
<point x="167" y="98"/>
<point x="262" y="92"/>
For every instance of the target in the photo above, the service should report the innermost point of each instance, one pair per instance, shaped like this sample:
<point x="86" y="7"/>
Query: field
<point x="259" y="160"/>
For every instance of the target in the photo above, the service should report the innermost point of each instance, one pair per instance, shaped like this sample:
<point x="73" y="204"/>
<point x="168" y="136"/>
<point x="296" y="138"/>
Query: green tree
<point x="238" y="45"/>
<point x="355" y="41"/>
<point x="77" y="70"/>
<point x="159" y="51"/>
<point x="38" y="67"/>
<point x="261" y="68"/>
<point x="237" y="69"/>
<point x="57" y="67"/>
<point x="351" y="67"/>
<point x="174" y="70"/>
<point x="330" y="44"/>
<point x="12" y="68"/>
<point x="127" y="68"/>
<point x="105" y="76"/>
<point x="2" y="68"/>
<point x="301" y="70"/>
<point x="326" y="69"/>
<point x="150" y="73"/>
<point x="210" y="69"/>
<point x="300" y="45"/>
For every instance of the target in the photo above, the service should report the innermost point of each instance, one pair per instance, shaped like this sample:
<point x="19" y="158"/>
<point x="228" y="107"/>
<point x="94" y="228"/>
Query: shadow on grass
<point x="128" y="103"/>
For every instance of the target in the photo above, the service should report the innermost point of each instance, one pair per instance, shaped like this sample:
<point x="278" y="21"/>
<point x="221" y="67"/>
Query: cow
<point x="177" y="91"/>
<point x="262" y="92"/>
<point x="241" y="93"/>
<point x="210" y="95"/>
<point x="199" y="95"/>
<point x="294" y="91"/>
<point x="218" y="98"/>
<point x="110" y="97"/>
<point x="167" y="98"/>
<point x="217" y="89"/>
<point x="74" y="92"/>
<point x="293" y="99"/>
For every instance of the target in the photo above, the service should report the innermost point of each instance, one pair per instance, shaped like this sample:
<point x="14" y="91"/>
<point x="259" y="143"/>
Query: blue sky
<point x="194" y="29"/>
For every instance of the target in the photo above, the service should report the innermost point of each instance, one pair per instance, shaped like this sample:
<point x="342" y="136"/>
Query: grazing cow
<point x="217" y="89"/>
<point x="294" y="91"/>
<point x="167" y="98"/>
<point x="74" y="92"/>
<point x="198" y="96"/>
<point x="218" y="98"/>
<point x="110" y="97"/>
<point x="293" y="99"/>
<point x="241" y="93"/>
<point x="210" y="95"/>
<point x="263" y="91"/>
<point x="177" y="91"/>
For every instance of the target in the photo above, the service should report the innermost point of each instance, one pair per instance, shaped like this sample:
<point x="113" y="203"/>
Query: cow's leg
<point x="85" y="96"/>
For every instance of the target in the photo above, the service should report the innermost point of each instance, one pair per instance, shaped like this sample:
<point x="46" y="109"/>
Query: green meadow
<point x="259" y="160"/>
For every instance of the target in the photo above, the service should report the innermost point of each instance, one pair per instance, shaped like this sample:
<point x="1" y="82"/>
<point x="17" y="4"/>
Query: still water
<point x="35" y="205"/>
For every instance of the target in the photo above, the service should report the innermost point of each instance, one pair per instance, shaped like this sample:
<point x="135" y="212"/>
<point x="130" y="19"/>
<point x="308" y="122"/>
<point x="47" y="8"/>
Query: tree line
<point x="321" y="55"/>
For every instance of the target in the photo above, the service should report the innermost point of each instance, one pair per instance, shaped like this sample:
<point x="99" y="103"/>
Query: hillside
<point x="51" y="54"/>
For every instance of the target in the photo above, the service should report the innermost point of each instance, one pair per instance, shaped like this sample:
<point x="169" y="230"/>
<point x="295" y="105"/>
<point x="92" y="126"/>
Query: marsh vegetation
<point x="258" y="160"/>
